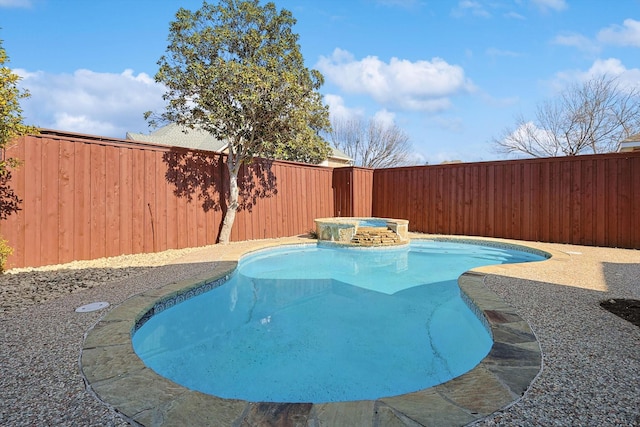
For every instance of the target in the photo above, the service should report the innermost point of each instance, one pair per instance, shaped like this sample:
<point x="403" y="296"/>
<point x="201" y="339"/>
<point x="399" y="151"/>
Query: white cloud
<point x="545" y="5"/>
<point x="529" y="128"/>
<point x="626" y="35"/>
<point x="417" y="159"/>
<point x="468" y="6"/>
<point x="337" y="109"/>
<point x="514" y="15"/>
<point x="612" y="67"/>
<point x="627" y="77"/>
<point x="83" y="124"/>
<point x="420" y="85"/>
<point x="106" y="104"/>
<point x="578" y="41"/>
<point x="385" y="117"/>
<point x="545" y="142"/>
<point x="15" y="3"/>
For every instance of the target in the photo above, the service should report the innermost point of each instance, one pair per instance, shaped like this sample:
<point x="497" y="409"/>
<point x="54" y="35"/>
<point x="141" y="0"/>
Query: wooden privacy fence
<point x="86" y="198"/>
<point x="91" y="197"/>
<point x="352" y="191"/>
<point x="586" y="200"/>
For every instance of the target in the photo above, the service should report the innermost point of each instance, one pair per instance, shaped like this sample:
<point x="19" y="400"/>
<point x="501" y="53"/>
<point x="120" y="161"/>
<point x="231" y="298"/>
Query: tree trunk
<point x="230" y="215"/>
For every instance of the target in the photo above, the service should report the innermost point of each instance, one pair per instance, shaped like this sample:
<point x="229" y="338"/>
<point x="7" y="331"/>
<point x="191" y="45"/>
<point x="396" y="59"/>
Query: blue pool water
<point x="372" y="222"/>
<point x="316" y="324"/>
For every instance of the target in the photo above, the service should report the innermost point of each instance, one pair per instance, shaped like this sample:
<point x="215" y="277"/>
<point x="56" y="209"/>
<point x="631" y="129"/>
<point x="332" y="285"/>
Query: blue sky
<point x="452" y="74"/>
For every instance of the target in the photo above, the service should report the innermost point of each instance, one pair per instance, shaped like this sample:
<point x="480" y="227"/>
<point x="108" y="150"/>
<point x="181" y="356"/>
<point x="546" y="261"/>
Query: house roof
<point x="337" y="153"/>
<point x="175" y="135"/>
<point x="632" y="143"/>
<point x="633" y="138"/>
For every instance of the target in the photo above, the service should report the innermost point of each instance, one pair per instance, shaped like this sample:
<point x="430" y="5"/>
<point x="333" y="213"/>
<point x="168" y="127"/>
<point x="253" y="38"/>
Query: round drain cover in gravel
<point x="92" y="307"/>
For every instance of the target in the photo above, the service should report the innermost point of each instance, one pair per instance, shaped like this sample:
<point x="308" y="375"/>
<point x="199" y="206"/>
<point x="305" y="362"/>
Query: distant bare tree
<point x="371" y="143"/>
<point x="592" y="117"/>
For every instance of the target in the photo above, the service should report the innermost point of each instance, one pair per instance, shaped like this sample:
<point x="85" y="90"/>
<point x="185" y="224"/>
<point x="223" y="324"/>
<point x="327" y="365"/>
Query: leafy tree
<point x="11" y="127"/>
<point x="235" y="70"/>
<point x="592" y="117"/>
<point x="372" y="143"/>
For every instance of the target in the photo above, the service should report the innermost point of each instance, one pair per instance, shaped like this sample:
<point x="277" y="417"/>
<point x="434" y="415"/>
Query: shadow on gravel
<point x="625" y="308"/>
<point x="628" y="309"/>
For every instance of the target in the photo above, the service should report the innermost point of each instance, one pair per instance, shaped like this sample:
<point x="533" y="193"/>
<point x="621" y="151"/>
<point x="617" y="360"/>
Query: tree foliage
<point x="592" y="117"/>
<point x="11" y="127"/>
<point x="371" y="143"/>
<point x="235" y="70"/>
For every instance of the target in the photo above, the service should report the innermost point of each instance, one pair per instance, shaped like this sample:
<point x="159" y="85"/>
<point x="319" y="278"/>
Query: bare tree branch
<point x="592" y="117"/>
<point x="372" y="143"/>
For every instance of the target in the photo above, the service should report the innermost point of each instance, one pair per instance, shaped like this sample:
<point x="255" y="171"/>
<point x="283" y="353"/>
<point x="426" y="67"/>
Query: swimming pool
<point x="313" y="324"/>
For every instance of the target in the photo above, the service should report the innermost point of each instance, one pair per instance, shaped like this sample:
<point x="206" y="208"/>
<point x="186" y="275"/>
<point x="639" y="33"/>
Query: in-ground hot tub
<point x="345" y="229"/>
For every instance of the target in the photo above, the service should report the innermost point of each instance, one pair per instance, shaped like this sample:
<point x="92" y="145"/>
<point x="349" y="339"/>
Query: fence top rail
<point x="127" y="143"/>
<point x="100" y="140"/>
<point x="581" y="157"/>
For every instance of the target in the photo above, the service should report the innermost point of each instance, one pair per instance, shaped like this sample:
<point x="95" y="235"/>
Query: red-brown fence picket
<point x="87" y="197"/>
<point x="586" y="200"/>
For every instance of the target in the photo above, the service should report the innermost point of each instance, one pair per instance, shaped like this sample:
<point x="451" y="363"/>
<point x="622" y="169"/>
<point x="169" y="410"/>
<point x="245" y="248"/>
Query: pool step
<point x="375" y="236"/>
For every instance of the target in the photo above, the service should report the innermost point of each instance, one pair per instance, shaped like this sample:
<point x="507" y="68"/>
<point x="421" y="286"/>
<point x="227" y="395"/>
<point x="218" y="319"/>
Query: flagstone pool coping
<point x="119" y="378"/>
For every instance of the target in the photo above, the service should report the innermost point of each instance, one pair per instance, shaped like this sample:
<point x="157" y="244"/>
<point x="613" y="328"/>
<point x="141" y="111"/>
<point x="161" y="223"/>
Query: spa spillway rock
<point x="363" y="231"/>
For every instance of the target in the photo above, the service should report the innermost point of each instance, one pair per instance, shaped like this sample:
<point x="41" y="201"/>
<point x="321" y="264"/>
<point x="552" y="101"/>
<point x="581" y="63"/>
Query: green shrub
<point x="5" y="251"/>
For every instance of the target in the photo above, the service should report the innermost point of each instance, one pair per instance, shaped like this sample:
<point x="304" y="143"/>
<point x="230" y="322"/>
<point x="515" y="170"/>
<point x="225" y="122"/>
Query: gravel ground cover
<point x="591" y="373"/>
<point x="41" y="333"/>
